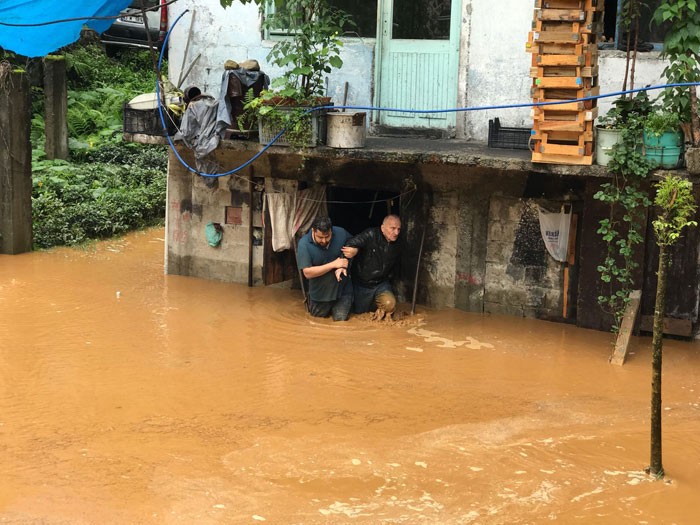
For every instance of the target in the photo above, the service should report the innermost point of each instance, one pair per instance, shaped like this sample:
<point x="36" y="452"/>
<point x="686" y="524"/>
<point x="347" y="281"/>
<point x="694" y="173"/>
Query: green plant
<point x="626" y="110"/>
<point x="660" y="122"/>
<point x="682" y="49"/>
<point x="622" y="229"/>
<point x="674" y="197"/>
<point x="109" y="186"/>
<point x="312" y="49"/>
<point x="249" y="118"/>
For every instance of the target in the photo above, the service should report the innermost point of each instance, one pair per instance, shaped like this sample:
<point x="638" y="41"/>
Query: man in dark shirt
<point x="320" y="259"/>
<point x="376" y="252"/>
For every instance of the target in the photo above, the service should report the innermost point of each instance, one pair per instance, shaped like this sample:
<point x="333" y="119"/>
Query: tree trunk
<point x="634" y="56"/>
<point x="655" y="466"/>
<point x="694" y="118"/>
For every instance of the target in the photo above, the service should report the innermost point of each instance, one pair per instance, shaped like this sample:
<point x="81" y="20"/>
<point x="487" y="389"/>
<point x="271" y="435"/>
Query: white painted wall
<point x="220" y="34"/>
<point x="494" y="65"/>
<point x="498" y="66"/>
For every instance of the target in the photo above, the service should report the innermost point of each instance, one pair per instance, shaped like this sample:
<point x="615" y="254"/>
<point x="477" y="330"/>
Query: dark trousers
<point x="339" y="309"/>
<point x="370" y="298"/>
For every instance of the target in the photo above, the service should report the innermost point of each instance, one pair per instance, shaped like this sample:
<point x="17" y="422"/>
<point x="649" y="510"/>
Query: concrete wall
<point x="479" y="226"/>
<point x="220" y="34"/>
<point x="193" y="202"/>
<point x="498" y="67"/>
<point x="522" y="279"/>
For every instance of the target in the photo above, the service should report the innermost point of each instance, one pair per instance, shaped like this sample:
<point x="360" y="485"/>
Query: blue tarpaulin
<point x="41" y="40"/>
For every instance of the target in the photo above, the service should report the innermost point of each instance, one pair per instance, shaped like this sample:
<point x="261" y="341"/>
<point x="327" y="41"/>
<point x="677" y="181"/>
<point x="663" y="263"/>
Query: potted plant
<point x="682" y="49"/>
<point x="311" y="51"/>
<point x="663" y="139"/>
<point x="625" y="117"/>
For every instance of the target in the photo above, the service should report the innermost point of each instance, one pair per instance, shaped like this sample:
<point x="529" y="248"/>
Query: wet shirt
<point x="325" y="287"/>
<point x="376" y="259"/>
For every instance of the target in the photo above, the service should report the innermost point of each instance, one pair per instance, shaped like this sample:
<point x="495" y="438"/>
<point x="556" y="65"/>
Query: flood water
<point x="128" y="396"/>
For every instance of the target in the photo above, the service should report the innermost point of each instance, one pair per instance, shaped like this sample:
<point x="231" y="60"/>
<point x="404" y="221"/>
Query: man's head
<point x="391" y="227"/>
<point x="322" y="231"/>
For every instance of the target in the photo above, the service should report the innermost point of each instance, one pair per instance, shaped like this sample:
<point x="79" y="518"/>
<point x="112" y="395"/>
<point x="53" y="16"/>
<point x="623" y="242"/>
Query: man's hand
<point x="340" y="273"/>
<point x="349" y="252"/>
<point x="340" y="262"/>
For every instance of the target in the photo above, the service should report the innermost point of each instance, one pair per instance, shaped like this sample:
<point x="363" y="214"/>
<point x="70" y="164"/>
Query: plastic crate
<point x="267" y="131"/>
<point x="508" y="138"/>
<point x="147" y="121"/>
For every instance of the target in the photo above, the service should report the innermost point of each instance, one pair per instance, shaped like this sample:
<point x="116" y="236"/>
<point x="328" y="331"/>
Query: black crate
<point x="147" y="121"/>
<point x="508" y="138"/>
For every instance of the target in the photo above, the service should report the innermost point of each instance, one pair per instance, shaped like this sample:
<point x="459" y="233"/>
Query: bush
<point x="75" y="202"/>
<point x="109" y="187"/>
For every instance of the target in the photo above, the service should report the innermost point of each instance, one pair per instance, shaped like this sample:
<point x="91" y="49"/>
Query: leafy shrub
<point x="75" y="202"/>
<point x="109" y="187"/>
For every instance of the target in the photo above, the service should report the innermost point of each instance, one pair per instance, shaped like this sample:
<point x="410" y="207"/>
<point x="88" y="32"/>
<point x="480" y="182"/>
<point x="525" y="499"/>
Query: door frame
<point x="455" y="26"/>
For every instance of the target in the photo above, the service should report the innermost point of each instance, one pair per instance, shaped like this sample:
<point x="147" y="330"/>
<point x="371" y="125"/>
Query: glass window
<point x="649" y="32"/>
<point x="362" y="12"/>
<point x="421" y="19"/>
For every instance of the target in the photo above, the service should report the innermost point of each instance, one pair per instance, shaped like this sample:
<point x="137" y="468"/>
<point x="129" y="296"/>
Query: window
<point x="649" y="32"/>
<point x="421" y="19"/>
<point x="363" y="13"/>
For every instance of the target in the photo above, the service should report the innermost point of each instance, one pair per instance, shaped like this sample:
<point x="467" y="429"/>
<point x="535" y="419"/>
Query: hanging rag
<point x="293" y="212"/>
<point x="554" y="227"/>
<point x="281" y="208"/>
<point x="310" y="203"/>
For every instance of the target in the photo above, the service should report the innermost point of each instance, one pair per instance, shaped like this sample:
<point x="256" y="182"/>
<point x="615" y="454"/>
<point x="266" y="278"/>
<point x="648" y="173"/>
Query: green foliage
<point x="626" y="110"/>
<point x="313" y="48"/>
<point x="311" y="51"/>
<point x="682" y="49"/>
<point x="660" y="122"/>
<point x="72" y="203"/>
<point x="280" y="113"/>
<point x="622" y="229"/>
<point x="89" y="68"/>
<point x="674" y="196"/>
<point x="108" y="187"/>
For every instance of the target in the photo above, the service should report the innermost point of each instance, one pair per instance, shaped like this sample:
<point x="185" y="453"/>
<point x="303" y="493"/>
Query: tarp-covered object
<point x="35" y="41"/>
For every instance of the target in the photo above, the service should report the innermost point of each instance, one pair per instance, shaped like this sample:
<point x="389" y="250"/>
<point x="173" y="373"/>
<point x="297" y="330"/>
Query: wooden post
<point x="15" y="163"/>
<point x="623" y="337"/>
<point x="570" y="261"/>
<point x="56" y="99"/>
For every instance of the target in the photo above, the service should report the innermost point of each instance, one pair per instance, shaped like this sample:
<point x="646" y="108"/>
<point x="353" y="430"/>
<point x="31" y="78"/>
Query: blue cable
<point x="374" y="108"/>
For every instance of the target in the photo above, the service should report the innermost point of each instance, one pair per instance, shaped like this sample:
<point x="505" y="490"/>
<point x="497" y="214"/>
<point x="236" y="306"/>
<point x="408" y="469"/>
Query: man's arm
<point x="358" y="242"/>
<point x="311" y="272"/>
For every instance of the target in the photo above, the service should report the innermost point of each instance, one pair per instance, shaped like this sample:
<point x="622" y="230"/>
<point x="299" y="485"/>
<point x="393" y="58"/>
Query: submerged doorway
<point x="356" y="210"/>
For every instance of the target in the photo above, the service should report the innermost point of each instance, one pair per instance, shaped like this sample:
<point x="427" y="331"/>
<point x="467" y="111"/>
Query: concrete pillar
<point x="15" y="164"/>
<point x="56" y="95"/>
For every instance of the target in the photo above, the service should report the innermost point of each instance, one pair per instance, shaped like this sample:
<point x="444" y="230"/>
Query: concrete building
<point x="483" y="250"/>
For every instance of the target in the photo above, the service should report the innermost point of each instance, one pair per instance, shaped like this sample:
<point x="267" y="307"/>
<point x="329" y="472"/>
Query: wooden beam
<point x="623" y="337"/>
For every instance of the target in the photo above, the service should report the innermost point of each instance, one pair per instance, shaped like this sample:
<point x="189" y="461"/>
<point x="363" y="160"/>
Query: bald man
<point x="375" y="253"/>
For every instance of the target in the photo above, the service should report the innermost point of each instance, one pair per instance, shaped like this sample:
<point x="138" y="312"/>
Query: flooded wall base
<point x="483" y="251"/>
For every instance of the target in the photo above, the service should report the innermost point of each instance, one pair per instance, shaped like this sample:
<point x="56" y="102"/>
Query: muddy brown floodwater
<point x="128" y="396"/>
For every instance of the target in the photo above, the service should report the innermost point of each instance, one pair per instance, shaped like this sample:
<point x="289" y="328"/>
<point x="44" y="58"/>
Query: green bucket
<point x="663" y="151"/>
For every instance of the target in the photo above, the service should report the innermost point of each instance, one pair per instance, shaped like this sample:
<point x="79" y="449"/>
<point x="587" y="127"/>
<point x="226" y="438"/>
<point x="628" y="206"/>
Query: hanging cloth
<point x="281" y="208"/>
<point x="554" y="227"/>
<point x="293" y="212"/>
